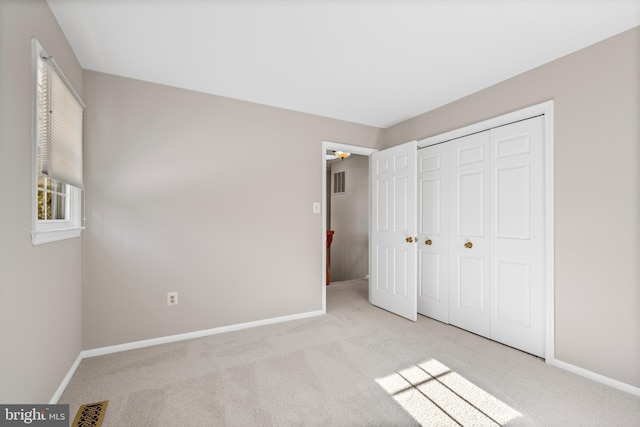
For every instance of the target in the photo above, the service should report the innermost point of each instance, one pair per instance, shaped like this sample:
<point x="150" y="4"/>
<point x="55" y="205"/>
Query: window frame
<point x="45" y="231"/>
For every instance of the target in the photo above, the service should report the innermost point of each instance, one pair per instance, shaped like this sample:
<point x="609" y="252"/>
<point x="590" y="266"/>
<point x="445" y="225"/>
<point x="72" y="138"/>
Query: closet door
<point x="393" y="232"/>
<point x="517" y="243"/>
<point x="470" y="239"/>
<point x="433" y="232"/>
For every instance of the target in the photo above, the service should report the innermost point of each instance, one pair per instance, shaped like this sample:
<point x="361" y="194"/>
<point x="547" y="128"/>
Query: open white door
<point x="393" y="257"/>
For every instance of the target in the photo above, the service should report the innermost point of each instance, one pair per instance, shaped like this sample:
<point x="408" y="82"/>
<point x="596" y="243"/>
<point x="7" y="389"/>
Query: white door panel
<point x="517" y="243"/>
<point x="471" y="203"/>
<point x="433" y="232"/>
<point x="430" y="216"/>
<point x="471" y="286"/>
<point x="430" y="278"/>
<point x="513" y="287"/>
<point x="393" y="257"/>
<point x="470" y="250"/>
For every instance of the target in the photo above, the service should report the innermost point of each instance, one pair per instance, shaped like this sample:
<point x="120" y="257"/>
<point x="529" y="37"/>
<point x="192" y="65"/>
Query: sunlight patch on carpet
<point x="90" y="414"/>
<point x="435" y="395"/>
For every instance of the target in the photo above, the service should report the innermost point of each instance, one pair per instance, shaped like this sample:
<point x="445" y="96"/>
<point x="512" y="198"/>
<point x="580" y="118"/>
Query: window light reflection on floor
<point x="435" y="395"/>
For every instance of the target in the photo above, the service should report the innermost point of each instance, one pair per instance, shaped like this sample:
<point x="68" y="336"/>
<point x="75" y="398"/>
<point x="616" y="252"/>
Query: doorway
<point x="355" y="150"/>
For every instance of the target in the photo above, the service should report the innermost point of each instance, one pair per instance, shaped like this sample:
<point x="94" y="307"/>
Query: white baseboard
<point x="65" y="381"/>
<point x="197" y="334"/>
<point x="595" y="377"/>
<point x="171" y="338"/>
<point x="214" y="331"/>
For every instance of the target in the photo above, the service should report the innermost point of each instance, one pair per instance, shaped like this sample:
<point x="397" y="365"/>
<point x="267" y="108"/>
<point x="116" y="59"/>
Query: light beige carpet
<point x="356" y="366"/>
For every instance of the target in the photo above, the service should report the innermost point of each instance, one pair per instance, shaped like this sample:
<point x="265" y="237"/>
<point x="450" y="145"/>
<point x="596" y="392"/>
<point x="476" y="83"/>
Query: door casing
<point x="353" y="149"/>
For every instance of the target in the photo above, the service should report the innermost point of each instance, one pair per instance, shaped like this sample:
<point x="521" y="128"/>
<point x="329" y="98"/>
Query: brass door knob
<point x="468" y="245"/>
<point x="409" y="239"/>
<point x="428" y="242"/>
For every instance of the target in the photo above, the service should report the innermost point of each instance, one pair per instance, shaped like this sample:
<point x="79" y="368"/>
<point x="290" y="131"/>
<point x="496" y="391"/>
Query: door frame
<point x="353" y="149"/>
<point x="546" y="109"/>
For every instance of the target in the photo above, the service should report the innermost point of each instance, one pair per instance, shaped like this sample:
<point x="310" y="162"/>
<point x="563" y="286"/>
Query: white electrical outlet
<point x="172" y="298"/>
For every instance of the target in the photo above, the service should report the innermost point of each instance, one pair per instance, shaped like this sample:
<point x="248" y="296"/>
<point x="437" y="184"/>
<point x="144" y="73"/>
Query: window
<point x="52" y="199"/>
<point x="58" y="140"/>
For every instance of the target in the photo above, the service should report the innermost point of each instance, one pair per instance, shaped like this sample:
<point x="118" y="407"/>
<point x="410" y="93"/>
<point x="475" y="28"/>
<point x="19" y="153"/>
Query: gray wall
<point x="40" y="286"/>
<point x="597" y="115"/>
<point x="203" y="195"/>
<point x="350" y="220"/>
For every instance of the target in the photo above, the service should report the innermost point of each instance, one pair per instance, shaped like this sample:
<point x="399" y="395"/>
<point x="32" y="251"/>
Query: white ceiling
<point x="375" y="62"/>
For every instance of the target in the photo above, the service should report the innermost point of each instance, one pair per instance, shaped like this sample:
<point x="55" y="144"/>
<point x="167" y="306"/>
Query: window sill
<point x="39" y="237"/>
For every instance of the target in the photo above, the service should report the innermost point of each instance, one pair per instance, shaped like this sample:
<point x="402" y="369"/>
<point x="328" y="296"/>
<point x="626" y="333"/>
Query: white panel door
<point x="517" y="243"/>
<point x="393" y="230"/>
<point x="433" y="232"/>
<point x="470" y="239"/>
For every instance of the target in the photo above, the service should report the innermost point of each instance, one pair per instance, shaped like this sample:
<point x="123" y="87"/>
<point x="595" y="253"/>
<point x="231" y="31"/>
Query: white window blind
<point x="60" y="116"/>
<point x="57" y="154"/>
